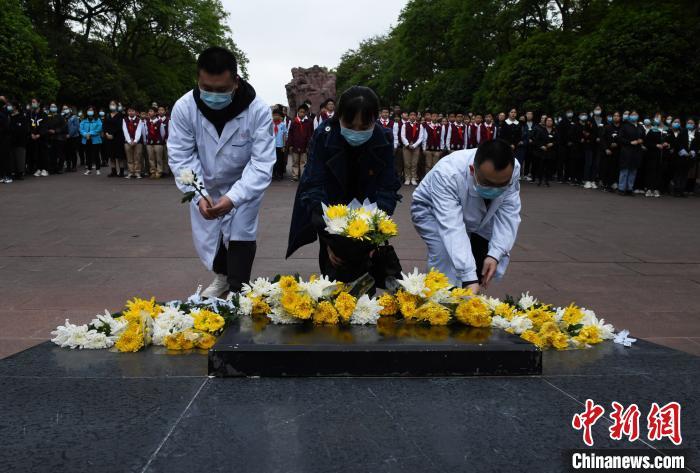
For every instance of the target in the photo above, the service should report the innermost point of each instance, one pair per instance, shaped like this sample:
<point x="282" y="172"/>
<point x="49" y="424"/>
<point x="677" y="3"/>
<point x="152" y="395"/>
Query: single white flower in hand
<point x="187" y="177"/>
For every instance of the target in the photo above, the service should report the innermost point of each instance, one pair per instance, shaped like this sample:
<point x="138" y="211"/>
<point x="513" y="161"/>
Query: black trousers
<point x="93" y="155"/>
<point x="71" y="152"/>
<point x="281" y="164"/>
<point x="236" y="262"/>
<point x="480" y="250"/>
<point x="56" y="155"/>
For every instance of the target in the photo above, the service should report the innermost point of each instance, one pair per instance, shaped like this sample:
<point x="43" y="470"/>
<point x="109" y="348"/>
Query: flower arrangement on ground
<point x="361" y="222"/>
<point x="177" y="325"/>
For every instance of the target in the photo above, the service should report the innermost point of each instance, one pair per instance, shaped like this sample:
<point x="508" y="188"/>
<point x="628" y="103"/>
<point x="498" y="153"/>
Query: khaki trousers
<point x="133" y="157"/>
<point x="298" y="163"/>
<point x="410" y="163"/>
<point x="431" y="159"/>
<point x="155" y="159"/>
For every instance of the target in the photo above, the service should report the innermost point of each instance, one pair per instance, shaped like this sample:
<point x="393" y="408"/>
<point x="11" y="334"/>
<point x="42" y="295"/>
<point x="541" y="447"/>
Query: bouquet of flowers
<point x="177" y="325"/>
<point x="430" y="298"/>
<point x="289" y="299"/>
<point x="360" y="222"/>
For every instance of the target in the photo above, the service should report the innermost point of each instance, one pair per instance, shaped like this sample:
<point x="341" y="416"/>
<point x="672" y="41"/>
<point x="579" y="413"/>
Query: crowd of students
<point x="43" y="139"/>
<point x="615" y="151"/>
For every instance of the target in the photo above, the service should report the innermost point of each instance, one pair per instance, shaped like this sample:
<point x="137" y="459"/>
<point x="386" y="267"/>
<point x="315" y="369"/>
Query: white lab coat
<point x="238" y="165"/>
<point x="446" y="208"/>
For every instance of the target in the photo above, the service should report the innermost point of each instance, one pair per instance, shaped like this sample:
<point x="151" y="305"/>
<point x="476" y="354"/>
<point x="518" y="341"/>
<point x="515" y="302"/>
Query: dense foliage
<point x="537" y="54"/>
<point x="90" y="51"/>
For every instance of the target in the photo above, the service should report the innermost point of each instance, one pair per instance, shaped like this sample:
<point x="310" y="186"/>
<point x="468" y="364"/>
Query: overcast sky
<point x="280" y="34"/>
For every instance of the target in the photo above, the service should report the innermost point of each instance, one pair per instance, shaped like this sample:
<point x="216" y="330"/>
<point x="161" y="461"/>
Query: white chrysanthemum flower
<point x="520" y="323"/>
<point x="623" y="338"/>
<point x="318" y="288"/>
<point x="589" y="317"/>
<point x="336" y="226"/>
<point x="245" y="305"/>
<point x="261" y="287"/>
<point x="366" y="311"/>
<point x="413" y="283"/>
<point x="526" y="301"/>
<point x="559" y="314"/>
<point x="441" y="296"/>
<point x="500" y="322"/>
<point x="277" y="316"/>
<point x="491" y="302"/>
<point x="78" y="336"/>
<point x="170" y="321"/>
<point x="607" y="331"/>
<point x="186" y="177"/>
<point x="116" y="326"/>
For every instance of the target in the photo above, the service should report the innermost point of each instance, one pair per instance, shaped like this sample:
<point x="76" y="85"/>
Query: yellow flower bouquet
<point x="359" y="222"/>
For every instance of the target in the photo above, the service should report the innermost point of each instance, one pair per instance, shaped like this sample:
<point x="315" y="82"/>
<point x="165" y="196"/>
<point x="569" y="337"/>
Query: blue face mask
<point x="354" y="137"/>
<point x="647" y="122"/>
<point x="216" y="100"/>
<point x="609" y="118"/>
<point x="689" y="126"/>
<point x="53" y="109"/>
<point x="90" y="113"/>
<point x="634" y="118"/>
<point x="488" y="192"/>
<point x="676" y="126"/>
<point x="9" y="108"/>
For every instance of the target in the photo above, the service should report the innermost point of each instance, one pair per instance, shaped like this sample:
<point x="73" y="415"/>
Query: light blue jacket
<point x="446" y="208"/>
<point x="93" y="128"/>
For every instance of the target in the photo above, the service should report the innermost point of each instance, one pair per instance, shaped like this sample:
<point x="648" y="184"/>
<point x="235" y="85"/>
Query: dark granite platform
<point x="393" y="349"/>
<point x="97" y="411"/>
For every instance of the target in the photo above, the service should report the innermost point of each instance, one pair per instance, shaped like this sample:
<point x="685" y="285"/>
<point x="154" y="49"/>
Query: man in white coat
<point x="467" y="210"/>
<point x="222" y="132"/>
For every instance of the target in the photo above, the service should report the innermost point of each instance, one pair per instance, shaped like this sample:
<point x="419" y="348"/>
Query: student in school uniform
<point x="456" y="135"/>
<point x="412" y="136"/>
<point x="444" y="129"/>
<point x="510" y="130"/>
<point x="164" y="133"/>
<point x="132" y="129"/>
<point x="279" y="128"/>
<point x="299" y="135"/>
<point x="432" y="148"/>
<point x="478" y="132"/>
<point x="327" y="112"/>
<point x="154" y="144"/>
<point x="387" y="125"/>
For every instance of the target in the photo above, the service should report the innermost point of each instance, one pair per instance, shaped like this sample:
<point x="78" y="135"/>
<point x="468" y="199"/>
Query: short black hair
<point x="217" y="60"/>
<point x="326" y="102"/>
<point x="357" y="99"/>
<point x="497" y="151"/>
<point x="277" y="111"/>
<point x="303" y="107"/>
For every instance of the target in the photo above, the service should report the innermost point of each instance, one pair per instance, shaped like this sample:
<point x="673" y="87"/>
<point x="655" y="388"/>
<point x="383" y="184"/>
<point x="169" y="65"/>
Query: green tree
<point x="26" y="69"/>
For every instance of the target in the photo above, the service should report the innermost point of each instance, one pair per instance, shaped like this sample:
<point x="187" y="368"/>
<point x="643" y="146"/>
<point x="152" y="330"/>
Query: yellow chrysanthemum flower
<point x="506" y="311"/>
<point x="304" y="308"/>
<point x="184" y="340"/>
<point x="572" y="315"/>
<point x="474" y="312"/>
<point x="205" y="341"/>
<point x="260" y="307"/>
<point x="136" y="305"/>
<point x="532" y="337"/>
<point x="408" y="303"/>
<point x="389" y="304"/>
<point x="435" y="281"/>
<point x="337" y="211"/>
<point x="325" y="313"/>
<point x="560" y="341"/>
<point x="288" y="283"/>
<point x="345" y="305"/>
<point x="387" y="227"/>
<point x="357" y="229"/>
<point x="435" y="314"/>
<point x="208" y="321"/>
<point x="289" y="300"/>
<point x="590" y="335"/>
<point x="539" y="316"/>
<point x="459" y="293"/>
<point x="131" y="340"/>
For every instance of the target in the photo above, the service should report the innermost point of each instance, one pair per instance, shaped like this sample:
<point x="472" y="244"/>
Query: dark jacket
<point x="113" y="126"/>
<point x="543" y="138"/>
<point x="630" y="155"/>
<point x="511" y="132"/>
<point x="56" y="123"/>
<point x="328" y="178"/>
<point x="299" y="134"/>
<point x="19" y="130"/>
<point x="610" y="137"/>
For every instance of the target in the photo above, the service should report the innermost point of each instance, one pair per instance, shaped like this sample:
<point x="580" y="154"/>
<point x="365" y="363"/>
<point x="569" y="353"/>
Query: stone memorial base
<point x="253" y="348"/>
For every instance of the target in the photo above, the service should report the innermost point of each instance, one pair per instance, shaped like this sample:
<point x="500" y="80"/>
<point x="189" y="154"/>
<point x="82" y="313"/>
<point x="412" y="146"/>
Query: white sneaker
<point x="414" y="182"/>
<point x="593" y="185"/>
<point x="138" y="176"/>
<point x="407" y="182"/>
<point x="648" y="193"/>
<point x="217" y="287"/>
<point x="97" y="172"/>
<point x="44" y="173"/>
<point x="657" y="194"/>
<point x="614" y="186"/>
<point x="587" y="185"/>
<point x="128" y="176"/>
<point x="8" y="180"/>
<point x="639" y="191"/>
<point x="37" y="173"/>
<point x="86" y="173"/>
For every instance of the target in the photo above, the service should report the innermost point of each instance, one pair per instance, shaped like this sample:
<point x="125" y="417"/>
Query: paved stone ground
<point x="73" y="245"/>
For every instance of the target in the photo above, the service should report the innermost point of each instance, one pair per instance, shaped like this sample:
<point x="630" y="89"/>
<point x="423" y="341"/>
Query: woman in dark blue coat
<point x="349" y="158"/>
